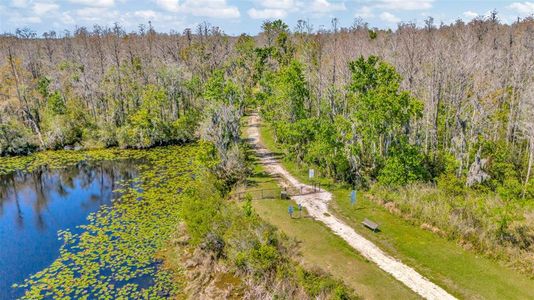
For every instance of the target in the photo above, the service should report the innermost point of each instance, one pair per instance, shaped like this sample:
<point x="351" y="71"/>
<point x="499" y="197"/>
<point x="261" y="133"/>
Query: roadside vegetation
<point x="318" y="248"/>
<point x="444" y="261"/>
<point x="262" y="258"/>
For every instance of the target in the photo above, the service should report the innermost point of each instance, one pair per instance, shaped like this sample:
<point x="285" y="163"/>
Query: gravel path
<point x="316" y="204"/>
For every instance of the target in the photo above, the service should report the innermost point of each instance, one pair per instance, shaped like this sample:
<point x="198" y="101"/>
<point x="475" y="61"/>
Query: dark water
<point x="34" y="206"/>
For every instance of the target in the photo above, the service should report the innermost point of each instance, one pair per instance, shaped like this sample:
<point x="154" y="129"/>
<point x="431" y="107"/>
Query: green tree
<point x="56" y="104"/>
<point x="279" y="45"/>
<point x="146" y="127"/>
<point x="405" y="164"/>
<point x="381" y="113"/>
<point x="219" y="89"/>
<point x="289" y="94"/>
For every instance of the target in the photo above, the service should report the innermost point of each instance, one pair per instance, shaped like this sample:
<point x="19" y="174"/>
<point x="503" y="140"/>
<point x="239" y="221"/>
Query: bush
<point x="102" y="136"/>
<point x="406" y="164"/>
<point x="247" y="207"/>
<point x="233" y="167"/>
<point x="199" y="210"/>
<point x="317" y="283"/>
<point x="15" y="140"/>
<point x="61" y="131"/>
<point x="64" y="123"/>
<point x="214" y="244"/>
<point x="451" y="184"/>
<point x="260" y="261"/>
<point x="184" y="129"/>
<point x="131" y="136"/>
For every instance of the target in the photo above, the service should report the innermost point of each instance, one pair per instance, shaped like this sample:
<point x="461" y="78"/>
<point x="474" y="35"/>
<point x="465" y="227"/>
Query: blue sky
<point x="242" y="16"/>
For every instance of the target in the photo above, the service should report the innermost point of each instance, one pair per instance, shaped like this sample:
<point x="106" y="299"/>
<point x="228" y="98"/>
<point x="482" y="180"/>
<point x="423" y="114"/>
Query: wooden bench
<point x="370" y="224"/>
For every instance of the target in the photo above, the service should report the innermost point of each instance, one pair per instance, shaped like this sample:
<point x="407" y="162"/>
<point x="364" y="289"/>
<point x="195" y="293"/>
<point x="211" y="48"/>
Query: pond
<point x="34" y="206"/>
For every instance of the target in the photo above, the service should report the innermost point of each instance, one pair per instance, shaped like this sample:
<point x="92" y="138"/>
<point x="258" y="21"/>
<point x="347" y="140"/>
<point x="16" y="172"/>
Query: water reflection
<point x="34" y="206"/>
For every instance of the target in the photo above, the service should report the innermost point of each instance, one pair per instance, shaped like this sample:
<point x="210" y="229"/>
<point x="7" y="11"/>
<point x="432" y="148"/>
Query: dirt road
<point x="316" y="204"/>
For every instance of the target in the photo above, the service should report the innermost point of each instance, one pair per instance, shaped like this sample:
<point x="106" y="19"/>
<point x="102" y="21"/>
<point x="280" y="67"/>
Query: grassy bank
<point x="461" y="272"/>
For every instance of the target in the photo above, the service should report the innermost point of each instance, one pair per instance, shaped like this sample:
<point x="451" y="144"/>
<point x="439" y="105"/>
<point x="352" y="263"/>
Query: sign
<point x="311" y="173"/>
<point x="353" y="197"/>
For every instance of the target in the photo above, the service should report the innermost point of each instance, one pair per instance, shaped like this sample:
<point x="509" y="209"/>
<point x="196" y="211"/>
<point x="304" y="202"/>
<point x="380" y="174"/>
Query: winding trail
<point x="316" y="204"/>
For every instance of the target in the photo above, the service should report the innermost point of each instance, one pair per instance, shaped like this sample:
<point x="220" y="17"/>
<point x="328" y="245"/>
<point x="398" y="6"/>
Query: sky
<point x="243" y="16"/>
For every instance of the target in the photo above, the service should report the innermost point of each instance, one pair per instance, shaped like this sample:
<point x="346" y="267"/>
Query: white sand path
<point x="316" y="203"/>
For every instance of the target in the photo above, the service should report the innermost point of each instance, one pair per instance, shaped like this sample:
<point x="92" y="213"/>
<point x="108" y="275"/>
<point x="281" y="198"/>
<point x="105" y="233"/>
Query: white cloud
<point x="324" y="6"/>
<point x="524" y="8"/>
<point x="160" y="20"/>
<point x="389" y="17"/>
<point x="267" y="13"/>
<point x="44" y="8"/>
<point x="470" y="14"/>
<point x="19" y="3"/>
<point x="365" y="12"/>
<point x="169" y="5"/>
<point x="23" y="20"/>
<point x="66" y="18"/>
<point x="97" y="15"/>
<point x="57" y="15"/>
<point x="94" y="3"/>
<point x="128" y="20"/>
<point x="145" y="14"/>
<point x="404" y="4"/>
<point x="201" y="8"/>
<point x="279" y="4"/>
<point x="272" y="9"/>
<point x="211" y="8"/>
<point x="368" y="10"/>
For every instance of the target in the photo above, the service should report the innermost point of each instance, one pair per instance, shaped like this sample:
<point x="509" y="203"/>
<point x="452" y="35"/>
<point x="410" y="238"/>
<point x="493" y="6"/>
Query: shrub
<point x="317" y="283"/>
<point x="405" y="165"/>
<point x="184" y="129"/>
<point x="213" y="243"/>
<point x="102" y="136"/>
<point x="247" y="208"/>
<point x="451" y="184"/>
<point x="199" y="211"/>
<point x="261" y="260"/>
<point x="15" y="140"/>
<point x="64" y="123"/>
<point x="61" y="130"/>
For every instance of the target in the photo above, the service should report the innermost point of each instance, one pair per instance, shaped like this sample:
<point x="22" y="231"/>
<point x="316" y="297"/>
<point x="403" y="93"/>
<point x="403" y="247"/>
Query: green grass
<point x="320" y="248"/>
<point x="462" y="273"/>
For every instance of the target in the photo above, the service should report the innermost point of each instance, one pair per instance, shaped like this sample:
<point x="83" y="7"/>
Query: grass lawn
<point x="462" y="273"/>
<point x="320" y="248"/>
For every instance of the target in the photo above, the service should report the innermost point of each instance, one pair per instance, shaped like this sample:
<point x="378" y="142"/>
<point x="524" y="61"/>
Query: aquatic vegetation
<point x="63" y="158"/>
<point x="114" y="256"/>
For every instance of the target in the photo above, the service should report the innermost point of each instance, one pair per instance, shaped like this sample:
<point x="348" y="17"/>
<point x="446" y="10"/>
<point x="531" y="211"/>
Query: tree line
<point x="449" y="102"/>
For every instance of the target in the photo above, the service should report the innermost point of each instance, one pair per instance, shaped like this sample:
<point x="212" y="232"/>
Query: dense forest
<point x="441" y="113"/>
